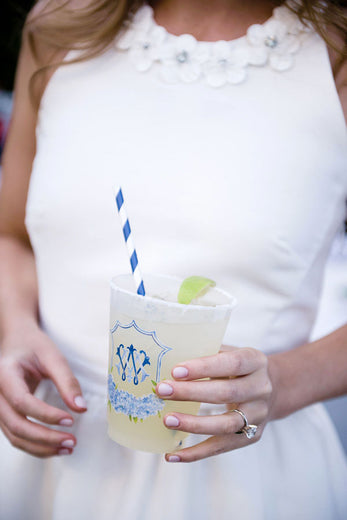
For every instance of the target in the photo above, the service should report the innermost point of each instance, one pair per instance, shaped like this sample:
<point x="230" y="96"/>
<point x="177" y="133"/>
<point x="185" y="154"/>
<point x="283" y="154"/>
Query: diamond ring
<point x="249" y="429"/>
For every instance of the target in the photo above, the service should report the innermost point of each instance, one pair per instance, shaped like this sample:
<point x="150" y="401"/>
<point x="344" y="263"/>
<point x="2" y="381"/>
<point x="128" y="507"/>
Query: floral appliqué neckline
<point x="183" y="58"/>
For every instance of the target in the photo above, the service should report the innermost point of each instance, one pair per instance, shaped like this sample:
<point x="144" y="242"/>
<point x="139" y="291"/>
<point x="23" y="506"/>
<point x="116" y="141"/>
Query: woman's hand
<point x="239" y="378"/>
<point x="27" y="358"/>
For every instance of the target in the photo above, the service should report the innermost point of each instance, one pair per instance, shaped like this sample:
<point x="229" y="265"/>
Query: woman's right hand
<point x="27" y="357"/>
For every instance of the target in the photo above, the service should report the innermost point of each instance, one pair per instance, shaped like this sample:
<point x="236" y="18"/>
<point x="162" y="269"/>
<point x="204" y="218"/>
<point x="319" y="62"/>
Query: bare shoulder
<point x="20" y="147"/>
<point x="341" y="85"/>
<point x="339" y="67"/>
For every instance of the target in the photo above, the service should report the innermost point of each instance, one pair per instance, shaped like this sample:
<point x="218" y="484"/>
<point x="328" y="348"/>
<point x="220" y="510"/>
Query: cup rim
<point x="203" y="308"/>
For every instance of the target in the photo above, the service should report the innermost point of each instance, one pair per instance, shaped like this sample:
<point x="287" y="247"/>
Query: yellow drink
<point x="148" y="337"/>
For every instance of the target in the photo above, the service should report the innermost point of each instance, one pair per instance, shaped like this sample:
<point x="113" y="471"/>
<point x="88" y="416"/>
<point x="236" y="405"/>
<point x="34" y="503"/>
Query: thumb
<point x="58" y="370"/>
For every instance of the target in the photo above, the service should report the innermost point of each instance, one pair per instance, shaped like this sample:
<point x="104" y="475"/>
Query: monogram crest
<point x="132" y="363"/>
<point x="140" y="357"/>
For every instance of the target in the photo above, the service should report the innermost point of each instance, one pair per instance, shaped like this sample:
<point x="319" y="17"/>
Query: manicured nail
<point x="64" y="451"/>
<point x="174" y="458"/>
<point x="68" y="443"/>
<point x="66" y="422"/>
<point x="80" y="402"/>
<point x="165" y="389"/>
<point x="171" y="420"/>
<point x="180" y="372"/>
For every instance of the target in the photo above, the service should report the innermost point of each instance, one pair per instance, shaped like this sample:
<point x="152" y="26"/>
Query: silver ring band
<point x="248" y="429"/>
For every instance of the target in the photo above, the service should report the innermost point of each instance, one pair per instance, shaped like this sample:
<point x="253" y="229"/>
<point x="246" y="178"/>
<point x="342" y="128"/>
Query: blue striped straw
<point x="140" y="288"/>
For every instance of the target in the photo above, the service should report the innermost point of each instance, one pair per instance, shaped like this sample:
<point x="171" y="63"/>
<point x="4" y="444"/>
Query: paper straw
<point x="140" y="288"/>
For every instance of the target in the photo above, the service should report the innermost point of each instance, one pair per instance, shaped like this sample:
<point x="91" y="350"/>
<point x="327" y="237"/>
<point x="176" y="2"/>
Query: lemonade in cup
<point x="149" y="335"/>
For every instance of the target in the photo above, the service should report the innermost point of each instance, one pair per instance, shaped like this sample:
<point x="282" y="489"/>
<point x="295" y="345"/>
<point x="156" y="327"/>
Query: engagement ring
<point x="249" y="429"/>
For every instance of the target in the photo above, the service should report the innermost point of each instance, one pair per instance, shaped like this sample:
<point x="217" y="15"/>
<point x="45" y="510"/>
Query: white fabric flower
<point x="145" y="49"/>
<point x="142" y="39"/>
<point x="181" y="58"/>
<point x="137" y="28"/>
<point x="272" y="43"/>
<point x="291" y="20"/>
<point x="227" y="64"/>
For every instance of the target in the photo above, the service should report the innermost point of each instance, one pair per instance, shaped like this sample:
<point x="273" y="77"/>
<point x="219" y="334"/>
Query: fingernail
<point x="174" y="458"/>
<point x="68" y="443"/>
<point x="180" y="372"/>
<point x="171" y="420"/>
<point x="66" y="422"/>
<point x="64" y="451"/>
<point x="80" y="402"/>
<point x="165" y="389"/>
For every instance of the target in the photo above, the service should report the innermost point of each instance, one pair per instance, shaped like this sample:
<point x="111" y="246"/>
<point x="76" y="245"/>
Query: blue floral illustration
<point x="135" y="407"/>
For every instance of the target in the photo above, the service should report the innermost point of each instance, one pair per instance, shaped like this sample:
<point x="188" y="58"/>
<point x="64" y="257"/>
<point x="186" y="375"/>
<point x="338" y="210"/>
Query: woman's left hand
<point x="238" y="378"/>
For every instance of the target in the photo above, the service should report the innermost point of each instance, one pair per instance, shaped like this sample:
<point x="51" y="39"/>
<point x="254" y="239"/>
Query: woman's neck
<point x="210" y="21"/>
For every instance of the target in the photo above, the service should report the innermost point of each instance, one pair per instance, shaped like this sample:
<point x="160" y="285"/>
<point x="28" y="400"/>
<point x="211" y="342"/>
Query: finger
<point x="217" y="391"/>
<point x="17" y="393"/>
<point x="58" y="369"/>
<point x="222" y="424"/>
<point x="230" y="363"/>
<point x="212" y="446"/>
<point x="38" y="450"/>
<point x="25" y="429"/>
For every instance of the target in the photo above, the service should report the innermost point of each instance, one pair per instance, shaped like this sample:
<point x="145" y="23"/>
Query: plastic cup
<point x="149" y="335"/>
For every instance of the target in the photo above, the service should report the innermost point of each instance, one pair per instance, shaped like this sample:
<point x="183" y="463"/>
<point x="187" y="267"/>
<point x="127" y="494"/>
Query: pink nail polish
<point x="180" y="372"/>
<point x="66" y="422"/>
<point x="174" y="458"/>
<point x="68" y="443"/>
<point x="171" y="420"/>
<point x="80" y="402"/>
<point x="64" y="451"/>
<point x="164" y="389"/>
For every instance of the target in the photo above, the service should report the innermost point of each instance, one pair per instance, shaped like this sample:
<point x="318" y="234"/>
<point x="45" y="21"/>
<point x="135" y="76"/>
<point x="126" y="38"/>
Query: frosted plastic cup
<point x="149" y="335"/>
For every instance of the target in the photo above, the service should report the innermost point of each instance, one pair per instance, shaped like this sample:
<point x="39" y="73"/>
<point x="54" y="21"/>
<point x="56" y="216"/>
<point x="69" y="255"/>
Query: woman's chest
<point x="251" y="169"/>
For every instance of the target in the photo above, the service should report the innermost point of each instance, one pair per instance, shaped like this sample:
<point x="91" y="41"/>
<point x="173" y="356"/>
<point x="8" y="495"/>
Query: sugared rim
<point x="227" y="306"/>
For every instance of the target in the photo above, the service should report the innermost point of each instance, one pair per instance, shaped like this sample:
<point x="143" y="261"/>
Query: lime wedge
<point x="193" y="287"/>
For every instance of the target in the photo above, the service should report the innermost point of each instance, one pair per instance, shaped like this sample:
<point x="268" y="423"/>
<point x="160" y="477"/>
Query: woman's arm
<point x="313" y="372"/>
<point x="18" y="290"/>
<point x="27" y="355"/>
<point x="18" y="287"/>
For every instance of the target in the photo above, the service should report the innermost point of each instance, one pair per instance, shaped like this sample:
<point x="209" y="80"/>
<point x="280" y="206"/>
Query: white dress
<point x="232" y="158"/>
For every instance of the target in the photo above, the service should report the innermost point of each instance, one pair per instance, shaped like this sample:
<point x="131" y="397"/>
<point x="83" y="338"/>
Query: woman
<point x="224" y="124"/>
